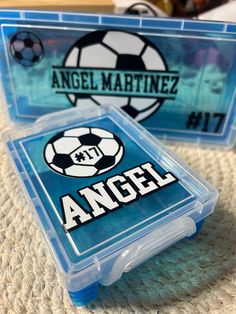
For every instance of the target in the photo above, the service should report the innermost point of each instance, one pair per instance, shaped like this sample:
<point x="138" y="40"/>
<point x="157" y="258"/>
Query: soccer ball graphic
<point x="116" y="50"/>
<point x="26" y="48"/>
<point x="83" y="152"/>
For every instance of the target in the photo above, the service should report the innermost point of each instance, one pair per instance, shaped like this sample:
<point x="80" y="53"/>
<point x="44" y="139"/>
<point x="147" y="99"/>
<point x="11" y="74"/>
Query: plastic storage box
<point x="174" y="76"/>
<point x="106" y="193"/>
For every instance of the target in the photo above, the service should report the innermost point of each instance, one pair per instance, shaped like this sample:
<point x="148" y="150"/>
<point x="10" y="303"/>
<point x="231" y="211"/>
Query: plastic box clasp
<point x="150" y="245"/>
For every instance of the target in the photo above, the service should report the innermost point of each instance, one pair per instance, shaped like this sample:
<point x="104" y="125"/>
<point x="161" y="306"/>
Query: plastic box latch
<point x="148" y="246"/>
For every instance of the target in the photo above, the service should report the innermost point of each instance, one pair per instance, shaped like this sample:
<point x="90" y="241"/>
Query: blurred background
<point x="223" y="10"/>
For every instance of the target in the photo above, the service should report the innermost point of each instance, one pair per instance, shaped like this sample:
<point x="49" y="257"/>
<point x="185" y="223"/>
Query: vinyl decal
<point x="83" y="152"/>
<point x="119" y="68"/>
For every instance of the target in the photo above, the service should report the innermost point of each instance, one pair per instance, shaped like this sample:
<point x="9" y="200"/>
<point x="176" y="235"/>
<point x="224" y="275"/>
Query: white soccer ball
<point x="83" y="152"/>
<point x="116" y="50"/>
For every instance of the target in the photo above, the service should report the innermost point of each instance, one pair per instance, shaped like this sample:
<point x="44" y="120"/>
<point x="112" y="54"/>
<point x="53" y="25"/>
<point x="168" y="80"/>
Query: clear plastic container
<point x="105" y="192"/>
<point x="174" y="76"/>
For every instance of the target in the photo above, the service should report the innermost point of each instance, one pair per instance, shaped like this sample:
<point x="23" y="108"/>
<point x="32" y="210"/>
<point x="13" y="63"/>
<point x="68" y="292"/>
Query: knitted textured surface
<point x="193" y="276"/>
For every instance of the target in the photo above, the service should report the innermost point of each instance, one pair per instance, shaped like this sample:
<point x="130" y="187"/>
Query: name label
<point x="106" y="196"/>
<point x="162" y="84"/>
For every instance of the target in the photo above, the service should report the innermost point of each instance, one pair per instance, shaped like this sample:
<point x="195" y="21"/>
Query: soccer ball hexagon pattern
<point x="26" y="48"/>
<point x="116" y="50"/>
<point x="83" y="152"/>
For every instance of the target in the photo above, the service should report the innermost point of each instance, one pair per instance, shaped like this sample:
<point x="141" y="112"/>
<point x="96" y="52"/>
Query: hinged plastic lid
<point x="99" y="182"/>
<point x="106" y="193"/>
<point x="176" y="77"/>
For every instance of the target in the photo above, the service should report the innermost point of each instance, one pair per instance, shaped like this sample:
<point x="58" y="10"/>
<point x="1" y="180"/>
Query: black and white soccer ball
<point x="116" y="50"/>
<point x="26" y="48"/>
<point x="83" y="152"/>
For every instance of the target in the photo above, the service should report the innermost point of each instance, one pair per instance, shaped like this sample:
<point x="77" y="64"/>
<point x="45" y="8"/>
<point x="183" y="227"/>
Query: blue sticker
<point x="177" y="80"/>
<point x="97" y="183"/>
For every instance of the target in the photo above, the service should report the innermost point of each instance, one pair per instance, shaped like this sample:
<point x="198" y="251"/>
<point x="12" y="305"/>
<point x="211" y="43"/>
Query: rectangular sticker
<point x="176" y="84"/>
<point x="97" y="183"/>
